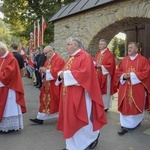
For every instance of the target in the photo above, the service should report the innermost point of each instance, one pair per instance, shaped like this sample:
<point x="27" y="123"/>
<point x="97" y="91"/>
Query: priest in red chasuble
<point x="12" y="102"/>
<point x="50" y="93"/>
<point x="133" y="74"/>
<point x="81" y="111"/>
<point x="105" y="67"/>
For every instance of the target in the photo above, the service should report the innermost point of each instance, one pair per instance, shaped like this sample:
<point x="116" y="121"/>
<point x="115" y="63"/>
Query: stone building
<point x="91" y="20"/>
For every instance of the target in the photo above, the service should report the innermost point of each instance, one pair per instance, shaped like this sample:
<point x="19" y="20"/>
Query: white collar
<point x="51" y="57"/>
<point x="4" y="55"/>
<point x="103" y="51"/>
<point x="133" y="57"/>
<point x="75" y="52"/>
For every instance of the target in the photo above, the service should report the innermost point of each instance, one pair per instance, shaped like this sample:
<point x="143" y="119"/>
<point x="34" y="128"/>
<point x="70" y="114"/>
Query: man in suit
<point x="37" y="73"/>
<point x="41" y="62"/>
<point x="13" y="49"/>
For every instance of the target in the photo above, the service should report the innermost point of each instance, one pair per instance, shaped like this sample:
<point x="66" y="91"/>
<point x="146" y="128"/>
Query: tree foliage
<point x="6" y="35"/>
<point x="118" y="47"/>
<point x="21" y="15"/>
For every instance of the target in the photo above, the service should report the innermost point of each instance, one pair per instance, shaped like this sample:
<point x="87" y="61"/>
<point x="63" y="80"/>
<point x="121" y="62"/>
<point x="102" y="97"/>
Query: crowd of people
<point x="77" y="91"/>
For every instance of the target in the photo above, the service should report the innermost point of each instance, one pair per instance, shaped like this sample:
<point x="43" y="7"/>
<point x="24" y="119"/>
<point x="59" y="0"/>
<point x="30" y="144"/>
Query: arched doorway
<point x="136" y="30"/>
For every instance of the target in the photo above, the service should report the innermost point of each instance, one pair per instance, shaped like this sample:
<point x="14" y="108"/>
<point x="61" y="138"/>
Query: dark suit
<point x="40" y="63"/>
<point x="42" y="60"/>
<point x="19" y="59"/>
<point x="37" y="73"/>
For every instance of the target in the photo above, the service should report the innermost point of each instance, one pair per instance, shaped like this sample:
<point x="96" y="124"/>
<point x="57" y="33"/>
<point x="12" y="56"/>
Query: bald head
<point x="48" y="51"/>
<point x="48" y="48"/>
<point x="3" y="49"/>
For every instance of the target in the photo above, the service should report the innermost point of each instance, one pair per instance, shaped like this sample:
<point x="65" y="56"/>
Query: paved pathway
<point x="45" y="137"/>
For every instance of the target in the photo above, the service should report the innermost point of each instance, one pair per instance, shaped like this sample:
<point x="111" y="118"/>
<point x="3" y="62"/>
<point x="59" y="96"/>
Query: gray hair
<point x="76" y="41"/>
<point x="137" y="45"/>
<point x="104" y="41"/>
<point x="3" y="47"/>
<point x="49" y="48"/>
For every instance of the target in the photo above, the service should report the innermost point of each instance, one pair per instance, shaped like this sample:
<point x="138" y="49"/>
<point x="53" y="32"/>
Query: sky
<point x="1" y="15"/>
<point x="121" y="36"/>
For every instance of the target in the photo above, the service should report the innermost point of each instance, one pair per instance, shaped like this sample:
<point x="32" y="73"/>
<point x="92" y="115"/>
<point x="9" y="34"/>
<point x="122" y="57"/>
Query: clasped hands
<point x="126" y="76"/>
<point x="98" y="67"/>
<point x="43" y="69"/>
<point x="61" y="75"/>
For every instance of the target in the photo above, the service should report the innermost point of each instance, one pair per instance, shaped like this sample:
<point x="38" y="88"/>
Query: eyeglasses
<point x="46" y="53"/>
<point x="68" y="44"/>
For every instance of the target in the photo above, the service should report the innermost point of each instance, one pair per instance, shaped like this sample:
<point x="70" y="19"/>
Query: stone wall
<point x="102" y="22"/>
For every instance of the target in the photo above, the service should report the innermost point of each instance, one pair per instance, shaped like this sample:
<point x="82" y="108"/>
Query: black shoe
<point x="38" y="86"/>
<point x="37" y="121"/>
<point x="122" y="131"/>
<point x="106" y="109"/>
<point x="64" y="149"/>
<point x="35" y="84"/>
<point x="93" y="144"/>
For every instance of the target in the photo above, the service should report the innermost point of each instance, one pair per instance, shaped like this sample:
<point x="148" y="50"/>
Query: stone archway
<point x="110" y="31"/>
<point x="102" y="22"/>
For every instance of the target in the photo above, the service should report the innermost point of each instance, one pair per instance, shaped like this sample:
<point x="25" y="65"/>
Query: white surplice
<point x="43" y="116"/>
<point x="131" y="121"/>
<point x="84" y="136"/>
<point x="12" y="117"/>
<point x="107" y="98"/>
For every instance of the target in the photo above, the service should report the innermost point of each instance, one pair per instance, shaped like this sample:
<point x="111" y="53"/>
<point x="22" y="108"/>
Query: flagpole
<point x="31" y="42"/>
<point x="42" y="30"/>
<point x="44" y="26"/>
<point x="35" y="37"/>
<point x="38" y="26"/>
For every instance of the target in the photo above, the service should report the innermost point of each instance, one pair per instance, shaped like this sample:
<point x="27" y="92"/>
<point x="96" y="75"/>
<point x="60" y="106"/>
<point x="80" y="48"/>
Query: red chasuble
<point x="72" y="111"/>
<point x="10" y="76"/>
<point x="108" y="61"/>
<point x="50" y="93"/>
<point x="131" y="98"/>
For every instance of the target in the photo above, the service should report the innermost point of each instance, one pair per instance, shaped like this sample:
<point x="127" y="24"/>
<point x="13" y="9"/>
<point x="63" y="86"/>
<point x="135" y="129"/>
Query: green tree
<point x="21" y="15"/>
<point x="121" y="45"/>
<point x="117" y="52"/>
<point x="118" y="47"/>
<point x="6" y="35"/>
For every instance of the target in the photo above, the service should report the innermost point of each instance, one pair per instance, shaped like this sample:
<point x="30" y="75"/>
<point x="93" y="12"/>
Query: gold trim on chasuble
<point x="2" y="64"/>
<point x="129" y="89"/>
<point x="99" y="61"/>
<point x="129" y="86"/>
<point x="46" y="96"/>
<point x="67" y="67"/>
